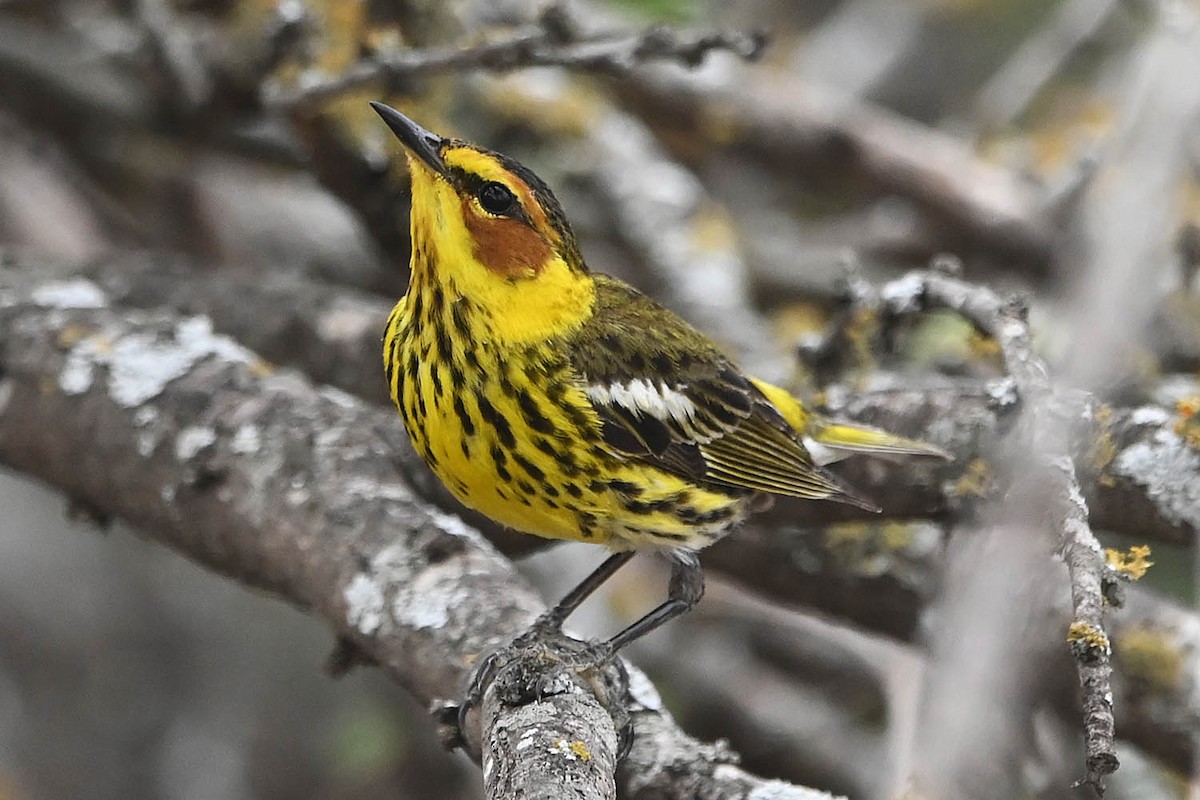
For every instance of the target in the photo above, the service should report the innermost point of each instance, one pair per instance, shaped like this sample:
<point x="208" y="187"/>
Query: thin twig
<point x="1048" y="416"/>
<point x="554" y="41"/>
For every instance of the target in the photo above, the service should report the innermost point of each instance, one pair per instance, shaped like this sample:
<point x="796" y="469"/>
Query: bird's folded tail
<point x="849" y="438"/>
<point x="830" y="440"/>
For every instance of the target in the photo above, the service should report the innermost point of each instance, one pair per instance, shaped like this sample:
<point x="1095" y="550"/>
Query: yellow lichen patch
<point x="1072" y="128"/>
<point x="1132" y="565"/>
<point x="867" y="548"/>
<point x="581" y="750"/>
<point x="261" y="369"/>
<point x="72" y="335"/>
<point x="571" y="750"/>
<point x="896" y="535"/>
<point x="712" y="229"/>
<point x="1103" y="449"/>
<point x="983" y="347"/>
<point x="842" y="534"/>
<point x="1089" y="643"/>
<point x="1150" y="658"/>
<point x="1188" y="424"/>
<point x="797" y="320"/>
<point x="720" y="126"/>
<point x="976" y="481"/>
<point x="860" y="333"/>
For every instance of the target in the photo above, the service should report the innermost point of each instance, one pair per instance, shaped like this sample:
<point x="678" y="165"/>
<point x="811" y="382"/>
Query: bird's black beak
<point x="423" y="144"/>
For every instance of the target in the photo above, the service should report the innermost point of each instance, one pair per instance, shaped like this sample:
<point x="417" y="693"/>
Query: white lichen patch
<point x="904" y="293"/>
<point x="247" y="440"/>
<point x="338" y="397"/>
<point x="1150" y="415"/>
<point x="1166" y="467"/>
<point x="528" y="739"/>
<point x="429" y="600"/>
<point x="1173" y="388"/>
<point x="141" y="365"/>
<point x="926" y="539"/>
<point x="192" y="440"/>
<point x="364" y="604"/>
<point x="642" y="691"/>
<point x="1003" y="392"/>
<point x="563" y="748"/>
<point x="362" y="486"/>
<point x="146" y="415"/>
<point x="771" y="789"/>
<point x="6" y="393"/>
<point x="297" y="496"/>
<point x="390" y="559"/>
<point x="146" y="442"/>
<point x="431" y="609"/>
<point x="74" y="293"/>
<point x="454" y="526"/>
<point x="77" y="373"/>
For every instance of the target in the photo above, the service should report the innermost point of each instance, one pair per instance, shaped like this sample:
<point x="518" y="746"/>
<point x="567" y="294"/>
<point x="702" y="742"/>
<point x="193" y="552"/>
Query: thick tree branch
<point x="280" y="485"/>
<point x="793" y="125"/>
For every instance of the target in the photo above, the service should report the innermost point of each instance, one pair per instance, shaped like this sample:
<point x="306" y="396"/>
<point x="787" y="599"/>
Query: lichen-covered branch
<point x="281" y="485"/>
<point x="581" y="758"/>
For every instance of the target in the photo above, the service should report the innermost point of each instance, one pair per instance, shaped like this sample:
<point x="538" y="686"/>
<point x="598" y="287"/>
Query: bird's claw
<point x="534" y="666"/>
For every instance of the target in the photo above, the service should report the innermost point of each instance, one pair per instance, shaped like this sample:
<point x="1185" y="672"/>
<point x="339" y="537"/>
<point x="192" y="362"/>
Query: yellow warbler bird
<point x="565" y="403"/>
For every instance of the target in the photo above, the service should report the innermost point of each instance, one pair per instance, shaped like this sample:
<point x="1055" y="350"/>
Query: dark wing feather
<point x="666" y="395"/>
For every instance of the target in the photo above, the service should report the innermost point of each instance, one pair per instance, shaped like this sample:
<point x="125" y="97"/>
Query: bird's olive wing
<point x="666" y="395"/>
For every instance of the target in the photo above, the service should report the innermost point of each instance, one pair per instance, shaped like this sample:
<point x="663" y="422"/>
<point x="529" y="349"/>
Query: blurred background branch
<point x="217" y="158"/>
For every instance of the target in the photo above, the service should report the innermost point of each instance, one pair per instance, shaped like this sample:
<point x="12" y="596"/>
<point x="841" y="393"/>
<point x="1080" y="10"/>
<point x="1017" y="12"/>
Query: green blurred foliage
<point x="663" y="10"/>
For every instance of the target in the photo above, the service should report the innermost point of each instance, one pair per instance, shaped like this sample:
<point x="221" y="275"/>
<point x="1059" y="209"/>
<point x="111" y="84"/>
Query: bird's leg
<point x="684" y="592"/>
<point x="548" y="624"/>
<point x="554" y="618"/>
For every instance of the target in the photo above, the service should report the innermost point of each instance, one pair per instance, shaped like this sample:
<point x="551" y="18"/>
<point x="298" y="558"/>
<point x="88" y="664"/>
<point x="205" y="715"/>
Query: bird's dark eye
<point x="496" y="198"/>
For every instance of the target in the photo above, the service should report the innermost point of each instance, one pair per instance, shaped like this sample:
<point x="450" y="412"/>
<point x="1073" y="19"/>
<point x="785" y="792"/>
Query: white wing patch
<point x="644" y="397"/>
<point x="823" y="455"/>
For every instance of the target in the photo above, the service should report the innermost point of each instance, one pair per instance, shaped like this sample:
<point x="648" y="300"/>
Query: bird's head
<point x="488" y="230"/>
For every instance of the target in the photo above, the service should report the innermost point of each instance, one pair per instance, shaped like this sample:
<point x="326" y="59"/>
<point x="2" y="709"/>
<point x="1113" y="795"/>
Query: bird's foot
<point x="540" y="663"/>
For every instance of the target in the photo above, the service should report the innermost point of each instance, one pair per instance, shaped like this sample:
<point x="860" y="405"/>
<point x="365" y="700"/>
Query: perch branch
<point x="283" y="486"/>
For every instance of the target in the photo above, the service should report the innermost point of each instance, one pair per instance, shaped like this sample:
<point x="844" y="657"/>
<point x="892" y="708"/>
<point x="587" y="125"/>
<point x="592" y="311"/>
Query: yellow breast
<point x="512" y="435"/>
